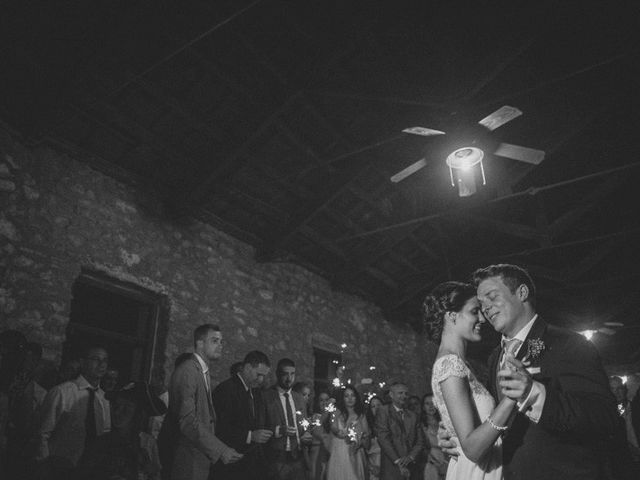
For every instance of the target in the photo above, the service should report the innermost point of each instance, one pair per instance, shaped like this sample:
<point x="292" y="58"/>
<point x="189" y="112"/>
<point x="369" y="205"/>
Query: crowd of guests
<point x="82" y="421"/>
<point x="546" y="410"/>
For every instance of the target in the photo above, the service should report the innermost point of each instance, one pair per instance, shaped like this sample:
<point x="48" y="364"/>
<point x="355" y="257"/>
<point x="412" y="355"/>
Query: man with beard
<point x="284" y="407"/>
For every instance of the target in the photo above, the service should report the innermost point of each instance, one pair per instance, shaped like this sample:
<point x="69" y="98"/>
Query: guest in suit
<point x="284" y="451"/>
<point x="567" y="414"/>
<point x="188" y="434"/>
<point x="239" y="408"/>
<point x="400" y="437"/>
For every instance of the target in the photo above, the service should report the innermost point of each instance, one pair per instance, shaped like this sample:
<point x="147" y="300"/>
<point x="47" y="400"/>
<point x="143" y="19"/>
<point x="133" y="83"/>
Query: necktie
<point x="252" y="404"/>
<point x="206" y="381"/>
<point x="290" y="422"/>
<point x="90" y="419"/>
<point x="508" y="346"/>
<point x="401" y="415"/>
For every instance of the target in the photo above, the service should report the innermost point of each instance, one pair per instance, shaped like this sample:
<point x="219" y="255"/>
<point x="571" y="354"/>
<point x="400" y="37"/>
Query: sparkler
<point x="352" y="434"/>
<point x="307" y="423"/>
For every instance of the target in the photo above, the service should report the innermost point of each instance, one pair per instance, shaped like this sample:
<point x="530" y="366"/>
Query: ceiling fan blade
<point x="516" y="152"/>
<point x="613" y="324"/>
<point x="606" y="330"/>
<point x="500" y="117"/>
<point x="414" y="167"/>
<point x="422" y="131"/>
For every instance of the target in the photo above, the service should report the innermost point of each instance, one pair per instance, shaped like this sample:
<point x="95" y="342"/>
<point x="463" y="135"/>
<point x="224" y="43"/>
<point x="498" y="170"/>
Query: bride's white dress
<point x="490" y="466"/>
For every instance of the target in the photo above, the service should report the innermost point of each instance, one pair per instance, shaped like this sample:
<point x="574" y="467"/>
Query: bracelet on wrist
<point x="496" y="427"/>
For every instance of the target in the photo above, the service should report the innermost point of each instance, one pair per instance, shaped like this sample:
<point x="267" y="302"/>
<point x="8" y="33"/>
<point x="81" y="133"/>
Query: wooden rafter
<point x="238" y="160"/>
<point x="509" y="228"/>
<point x="308" y="211"/>
<point x="569" y="219"/>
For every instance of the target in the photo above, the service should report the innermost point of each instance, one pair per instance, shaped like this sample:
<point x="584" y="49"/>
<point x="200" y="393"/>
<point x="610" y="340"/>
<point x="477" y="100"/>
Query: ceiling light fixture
<point x="588" y="334"/>
<point x="463" y="160"/>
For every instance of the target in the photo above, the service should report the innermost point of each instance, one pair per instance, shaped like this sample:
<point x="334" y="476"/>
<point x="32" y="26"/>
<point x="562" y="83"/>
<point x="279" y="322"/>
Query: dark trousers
<point x="287" y="466"/>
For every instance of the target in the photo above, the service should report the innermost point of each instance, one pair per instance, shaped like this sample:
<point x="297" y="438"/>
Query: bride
<point x="467" y="408"/>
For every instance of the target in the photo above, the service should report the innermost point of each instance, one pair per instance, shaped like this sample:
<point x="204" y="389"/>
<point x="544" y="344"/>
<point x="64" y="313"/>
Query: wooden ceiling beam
<point x="174" y="104"/>
<point x="509" y="228"/>
<point x="239" y="159"/>
<point x="154" y="174"/>
<point x="532" y="191"/>
<point x="569" y="219"/>
<point x="576" y="128"/>
<point x="349" y="224"/>
<point x="591" y="260"/>
<point x="302" y="147"/>
<point x="316" y="238"/>
<point x="307" y="212"/>
<point x="154" y="141"/>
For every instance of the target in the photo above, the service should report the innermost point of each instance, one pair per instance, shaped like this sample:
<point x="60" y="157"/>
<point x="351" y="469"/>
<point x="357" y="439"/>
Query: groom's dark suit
<point x="578" y="415"/>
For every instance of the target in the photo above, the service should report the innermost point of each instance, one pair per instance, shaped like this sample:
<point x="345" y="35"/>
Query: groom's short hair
<point x="512" y="275"/>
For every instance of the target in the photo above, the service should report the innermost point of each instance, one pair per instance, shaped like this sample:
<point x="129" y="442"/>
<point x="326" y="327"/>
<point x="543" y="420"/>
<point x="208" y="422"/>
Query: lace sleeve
<point x="449" y="366"/>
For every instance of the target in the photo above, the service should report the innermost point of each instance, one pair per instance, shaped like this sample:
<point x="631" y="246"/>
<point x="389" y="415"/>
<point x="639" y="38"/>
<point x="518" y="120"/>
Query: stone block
<point x="7" y="185"/>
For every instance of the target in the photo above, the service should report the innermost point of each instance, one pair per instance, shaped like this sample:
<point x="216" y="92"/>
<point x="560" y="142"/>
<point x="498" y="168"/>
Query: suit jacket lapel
<point x="207" y="393"/>
<point x="278" y="402"/>
<point x="537" y="331"/>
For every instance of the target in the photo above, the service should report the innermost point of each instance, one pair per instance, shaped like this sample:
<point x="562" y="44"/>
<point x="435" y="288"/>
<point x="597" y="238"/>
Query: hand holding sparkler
<point x="352" y="434"/>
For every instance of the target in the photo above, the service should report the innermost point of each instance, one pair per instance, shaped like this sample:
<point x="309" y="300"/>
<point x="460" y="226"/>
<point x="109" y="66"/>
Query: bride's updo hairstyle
<point x="446" y="297"/>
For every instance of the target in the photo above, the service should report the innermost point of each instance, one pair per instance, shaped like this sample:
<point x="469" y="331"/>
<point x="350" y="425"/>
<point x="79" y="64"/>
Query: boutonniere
<point x="535" y="347"/>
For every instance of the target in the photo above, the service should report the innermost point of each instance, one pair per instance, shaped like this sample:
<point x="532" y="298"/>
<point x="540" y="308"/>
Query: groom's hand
<point x="446" y="442"/>
<point x="515" y="381"/>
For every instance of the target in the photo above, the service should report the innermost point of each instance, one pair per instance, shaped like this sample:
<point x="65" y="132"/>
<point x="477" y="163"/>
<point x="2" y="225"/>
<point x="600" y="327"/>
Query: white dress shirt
<point x="205" y="371"/>
<point x="292" y="407"/>
<point x="64" y="411"/>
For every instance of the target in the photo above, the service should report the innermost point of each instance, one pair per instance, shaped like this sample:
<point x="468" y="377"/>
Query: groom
<point x="566" y="418"/>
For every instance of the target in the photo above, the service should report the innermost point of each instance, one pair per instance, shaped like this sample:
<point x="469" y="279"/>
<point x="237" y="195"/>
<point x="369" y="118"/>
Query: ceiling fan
<point x="469" y="145"/>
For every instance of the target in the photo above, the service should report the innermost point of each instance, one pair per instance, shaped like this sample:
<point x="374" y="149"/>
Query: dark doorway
<point x="325" y="369"/>
<point x="122" y="317"/>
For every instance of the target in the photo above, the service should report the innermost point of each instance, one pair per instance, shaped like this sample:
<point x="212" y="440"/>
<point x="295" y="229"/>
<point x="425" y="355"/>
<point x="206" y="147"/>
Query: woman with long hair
<point x="468" y="410"/>
<point x="350" y="438"/>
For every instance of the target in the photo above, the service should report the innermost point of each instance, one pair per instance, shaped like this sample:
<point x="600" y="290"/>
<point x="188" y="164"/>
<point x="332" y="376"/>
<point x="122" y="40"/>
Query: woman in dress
<point x="467" y="408"/>
<point x="350" y="438"/>
<point x="436" y="466"/>
<point x="374" y="452"/>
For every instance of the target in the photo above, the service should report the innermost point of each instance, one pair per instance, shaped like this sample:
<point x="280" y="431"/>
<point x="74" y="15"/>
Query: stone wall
<point x="59" y="215"/>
